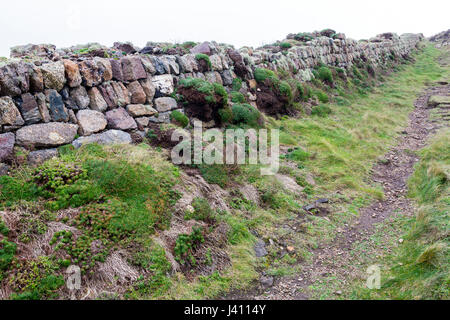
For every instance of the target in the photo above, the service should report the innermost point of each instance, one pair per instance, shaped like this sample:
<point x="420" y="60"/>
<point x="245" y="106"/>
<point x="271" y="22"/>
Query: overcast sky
<point x="238" y="22"/>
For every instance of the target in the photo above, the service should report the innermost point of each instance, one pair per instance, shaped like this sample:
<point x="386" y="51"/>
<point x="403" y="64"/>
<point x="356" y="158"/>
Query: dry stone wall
<point x="51" y="97"/>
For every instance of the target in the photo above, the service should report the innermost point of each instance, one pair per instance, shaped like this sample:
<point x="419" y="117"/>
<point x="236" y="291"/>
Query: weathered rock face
<point x="132" y="69"/>
<point x="54" y="75"/>
<point x="120" y="119"/>
<point x="7" y="141"/>
<point x="80" y="96"/>
<point x="58" y="111"/>
<point x="40" y="156"/>
<point x="163" y="84"/>
<point x="91" y="121"/>
<point x="139" y="110"/>
<point x="107" y="137"/>
<point x="46" y="134"/>
<point x="203" y="48"/>
<point x="165" y="104"/>
<point x="29" y="108"/>
<point x="442" y="39"/>
<point x="72" y="73"/>
<point x="97" y="102"/>
<point x="137" y="93"/>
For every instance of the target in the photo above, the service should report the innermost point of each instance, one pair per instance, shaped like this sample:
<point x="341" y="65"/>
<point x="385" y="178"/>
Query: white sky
<point x="238" y="22"/>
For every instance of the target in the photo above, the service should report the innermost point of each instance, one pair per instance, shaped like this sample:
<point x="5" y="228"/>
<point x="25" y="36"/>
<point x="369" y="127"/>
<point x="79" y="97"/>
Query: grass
<point x="347" y="143"/>
<point x="418" y="268"/>
<point x="125" y="193"/>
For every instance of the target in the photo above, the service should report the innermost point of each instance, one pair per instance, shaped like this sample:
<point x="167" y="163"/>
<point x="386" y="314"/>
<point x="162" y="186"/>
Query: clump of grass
<point x="245" y="114"/>
<point x="237" y="97"/>
<point x="285" y="45"/>
<point x="204" y="57"/>
<point x="36" y="279"/>
<point x="202" y="211"/>
<point x="212" y="91"/>
<point x="321" y="110"/>
<point x="322" y="96"/>
<point x="179" y="118"/>
<point x="186" y="244"/>
<point x="4" y="230"/>
<point x="7" y="252"/>
<point x="325" y="74"/>
<point x="216" y="174"/>
<point x="262" y="74"/>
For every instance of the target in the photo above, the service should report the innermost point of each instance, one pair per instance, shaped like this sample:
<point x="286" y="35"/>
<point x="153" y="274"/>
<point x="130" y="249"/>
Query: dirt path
<point x="336" y="261"/>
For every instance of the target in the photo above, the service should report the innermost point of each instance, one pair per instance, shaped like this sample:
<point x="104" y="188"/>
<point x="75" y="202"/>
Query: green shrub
<point x="54" y="174"/>
<point x="36" y="279"/>
<point x="325" y="74"/>
<point x="4" y="230"/>
<point x="237" y="97"/>
<point x="236" y="84"/>
<point x="298" y="154"/>
<point x="273" y="198"/>
<point x="154" y="259"/>
<point x="285" y="45"/>
<point x="322" y="96"/>
<point x="303" y="37"/>
<point x="188" y="44"/>
<point x="186" y="244"/>
<point x="245" y="113"/>
<point x="226" y="115"/>
<point x="340" y="72"/>
<point x="13" y="189"/>
<point x="202" y="210"/>
<point x="211" y="90"/>
<point x="357" y="73"/>
<point x="262" y="74"/>
<point x="220" y="90"/>
<point x="285" y="89"/>
<point x="180" y="118"/>
<point x="215" y="174"/>
<point x="298" y="90"/>
<point x="7" y="252"/>
<point x="204" y="57"/>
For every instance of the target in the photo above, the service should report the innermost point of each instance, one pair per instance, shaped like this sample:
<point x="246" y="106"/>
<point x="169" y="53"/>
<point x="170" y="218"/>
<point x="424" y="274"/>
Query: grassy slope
<point x="341" y="150"/>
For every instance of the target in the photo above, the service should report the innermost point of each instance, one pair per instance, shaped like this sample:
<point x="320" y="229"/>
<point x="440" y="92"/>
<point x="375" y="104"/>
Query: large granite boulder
<point x="163" y="85"/>
<point x="50" y="134"/>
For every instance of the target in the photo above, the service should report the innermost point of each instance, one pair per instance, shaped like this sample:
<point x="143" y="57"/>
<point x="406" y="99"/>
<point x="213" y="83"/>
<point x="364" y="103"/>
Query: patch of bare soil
<point x="335" y="260"/>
